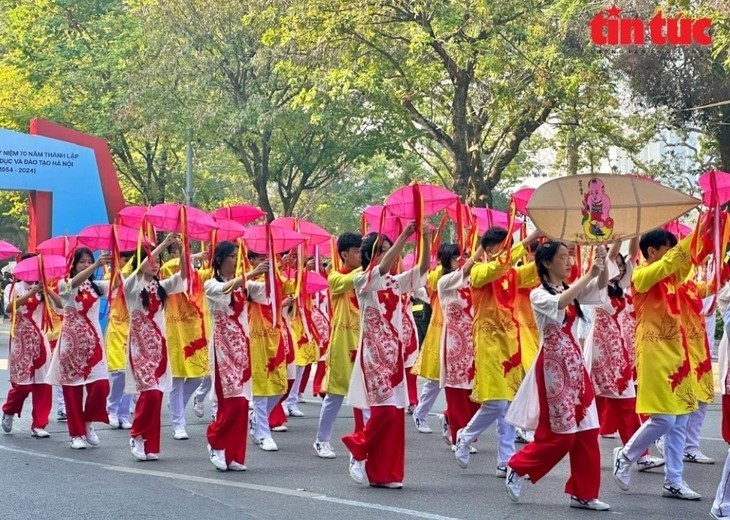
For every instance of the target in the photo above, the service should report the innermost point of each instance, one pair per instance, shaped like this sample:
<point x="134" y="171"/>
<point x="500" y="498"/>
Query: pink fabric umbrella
<point x="316" y="282"/>
<point x="521" y="197"/>
<point x="487" y="218"/>
<point x="314" y="233"/>
<point x="283" y="239"/>
<point x="63" y="245"/>
<point x="132" y="216"/>
<point x="169" y="217"/>
<point x="680" y="230"/>
<point x="29" y="270"/>
<point x="242" y="214"/>
<point x="227" y="230"/>
<point x="392" y="226"/>
<point x="718" y="180"/>
<point x="404" y="201"/>
<point x="8" y="250"/>
<point x="106" y="236"/>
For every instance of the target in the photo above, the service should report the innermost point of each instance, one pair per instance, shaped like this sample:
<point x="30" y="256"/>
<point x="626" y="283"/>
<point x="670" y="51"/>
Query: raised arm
<point x="388" y="260"/>
<point x="20" y="300"/>
<point x="86" y="273"/>
<point x="425" y="255"/>
<point x="55" y="298"/>
<point x="156" y="252"/>
<point x="466" y="271"/>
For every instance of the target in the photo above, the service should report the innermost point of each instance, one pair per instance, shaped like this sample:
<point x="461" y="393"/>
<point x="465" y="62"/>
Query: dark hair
<point x="78" y="254"/>
<point x="656" y="238"/>
<point x="367" y="248"/>
<point x="222" y="251"/>
<point x="28" y="255"/>
<point x="346" y="241"/>
<point x="493" y="236"/>
<point x="614" y="288"/>
<point x="532" y="246"/>
<point x="253" y="255"/>
<point x="446" y="253"/>
<point x="545" y="253"/>
<point x="144" y="296"/>
<point x="172" y="247"/>
<point x="127" y="254"/>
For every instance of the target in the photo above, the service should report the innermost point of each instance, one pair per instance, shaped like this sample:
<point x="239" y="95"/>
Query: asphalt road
<point x="44" y="478"/>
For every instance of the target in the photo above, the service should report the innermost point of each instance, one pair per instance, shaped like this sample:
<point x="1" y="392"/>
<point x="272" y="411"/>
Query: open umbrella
<point x="678" y="229"/>
<point x="40" y="267"/>
<point x="314" y="233"/>
<point x="63" y="245"/>
<point x="521" y="198"/>
<point x="109" y="237"/>
<point x="282" y="239"/>
<point x="417" y="201"/>
<point x="242" y="214"/>
<point x="132" y="216"/>
<point x="178" y="218"/>
<point x="8" y="250"/>
<point x="226" y="230"/>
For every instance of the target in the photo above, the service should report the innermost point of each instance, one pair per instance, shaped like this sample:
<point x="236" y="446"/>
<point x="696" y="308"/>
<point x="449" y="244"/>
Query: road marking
<point x="240" y="485"/>
<point x="3" y="364"/>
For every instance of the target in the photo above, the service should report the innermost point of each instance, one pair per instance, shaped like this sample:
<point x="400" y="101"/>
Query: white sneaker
<point x="136" y="445"/>
<point x="513" y="484"/>
<point x="294" y="411"/>
<point x="7" y="423"/>
<point x="697" y="457"/>
<point x="300" y="398"/>
<point x="179" y="433"/>
<point x="77" y="443"/>
<point x="236" y="466"/>
<point x="593" y="505"/>
<point x="125" y="424"/>
<point x="388" y="485"/>
<point x="717" y="514"/>
<point x="113" y="421"/>
<point x="462" y="450"/>
<point x="252" y="433"/>
<point x="445" y="430"/>
<point x="218" y="458"/>
<point x="39" y="433"/>
<point x="473" y="449"/>
<point x="198" y="407"/>
<point x="421" y="425"/>
<point x="153" y="456"/>
<point x="324" y="449"/>
<point x="411" y="408"/>
<point x="647" y="462"/>
<point x="357" y="470"/>
<point x="268" y="444"/>
<point x="280" y="429"/>
<point x="680" y="490"/>
<point x="659" y="443"/>
<point x="91" y="437"/>
<point x="621" y="469"/>
<point x="501" y="472"/>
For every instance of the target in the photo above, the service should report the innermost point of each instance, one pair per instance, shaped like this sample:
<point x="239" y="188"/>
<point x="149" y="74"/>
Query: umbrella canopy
<point x="63" y="245"/>
<point x="172" y="217"/>
<point x="404" y="201"/>
<point x="107" y="236"/>
<point x="521" y="198"/>
<point x="242" y="214"/>
<point x="132" y="216"/>
<point x="8" y="250"/>
<point x="314" y="233"/>
<point x="256" y="238"/>
<point x="29" y="270"/>
<point x="715" y="183"/>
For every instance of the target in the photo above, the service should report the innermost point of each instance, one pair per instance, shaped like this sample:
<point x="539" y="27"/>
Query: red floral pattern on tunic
<point x="611" y="368"/>
<point x="459" y="351"/>
<point x="382" y="361"/>
<point x="27" y="352"/>
<point x="567" y="383"/>
<point x="149" y="359"/>
<point x="81" y="345"/>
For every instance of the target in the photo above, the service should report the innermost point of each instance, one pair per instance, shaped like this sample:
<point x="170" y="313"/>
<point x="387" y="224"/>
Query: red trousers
<point x="277" y="417"/>
<point x="41" y="400"/>
<point x="147" y="422"/>
<point x="726" y="418"/>
<point x="460" y="409"/>
<point x="411" y="383"/>
<point x="382" y="443"/>
<point x="537" y="458"/>
<point x="359" y="420"/>
<point x="621" y="414"/>
<point x="318" y="378"/>
<point x="228" y="431"/>
<point x="79" y="413"/>
<point x="305" y="379"/>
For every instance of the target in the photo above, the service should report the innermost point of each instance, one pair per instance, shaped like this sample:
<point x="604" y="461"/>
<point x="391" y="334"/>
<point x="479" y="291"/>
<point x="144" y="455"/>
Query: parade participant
<point x="230" y="355"/>
<point x="119" y="403"/>
<point x="29" y="355"/>
<point x="667" y="389"/>
<point x="720" y="509"/>
<point x="268" y="362"/>
<point x="343" y="339"/>
<point x="149" y="362"/>
<point x="456" y="352"/>
<point x="79" y="360"/>
<point x="498" y="368"/>
<point x="378" y="382"/>
<point x="186" y="322"/>
<point x="610" y="353"/>
<point x="556" y="399"/>
<point x="427" y="364"/>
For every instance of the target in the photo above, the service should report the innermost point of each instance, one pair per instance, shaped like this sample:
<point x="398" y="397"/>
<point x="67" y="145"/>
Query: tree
<point x="474" y="78"/>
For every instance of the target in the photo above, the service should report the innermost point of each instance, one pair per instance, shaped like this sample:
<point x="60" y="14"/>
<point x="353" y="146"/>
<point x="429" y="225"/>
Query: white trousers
<point x="674" y="430"/>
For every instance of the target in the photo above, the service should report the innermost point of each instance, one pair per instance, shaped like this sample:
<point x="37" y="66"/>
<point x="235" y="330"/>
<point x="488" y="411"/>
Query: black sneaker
<point x="61" y="417"/>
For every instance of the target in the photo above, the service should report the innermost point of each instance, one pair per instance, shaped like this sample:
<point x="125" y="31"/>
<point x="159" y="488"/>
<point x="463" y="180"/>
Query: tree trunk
<point x="722" y="136"/>
<point x="571" y="152"/>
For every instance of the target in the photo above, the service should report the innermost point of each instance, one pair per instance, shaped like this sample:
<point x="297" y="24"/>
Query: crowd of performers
<point x="519" y="337"/>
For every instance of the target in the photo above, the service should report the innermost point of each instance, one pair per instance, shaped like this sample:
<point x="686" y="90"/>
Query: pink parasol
<point x="715" y="183"/>
<point x="404" y="202"/>
<point x="109" y="237"/>
<point x="242" y="214"/>
<point x="314" y="233"/>
<point x="256" y="238"/>
<point x="132" y="216"/>
<point x="316" y="282"/>
<point x="8" y="250"/>
<point x="521" y="197"/>
<point x="29" y="270"/>
<point x="227" y="230"/>
<point x="63" y="245"/>
<point x="487" y="217"/>
<point x="178" y="218"/>
<point x="392" y="226"/>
